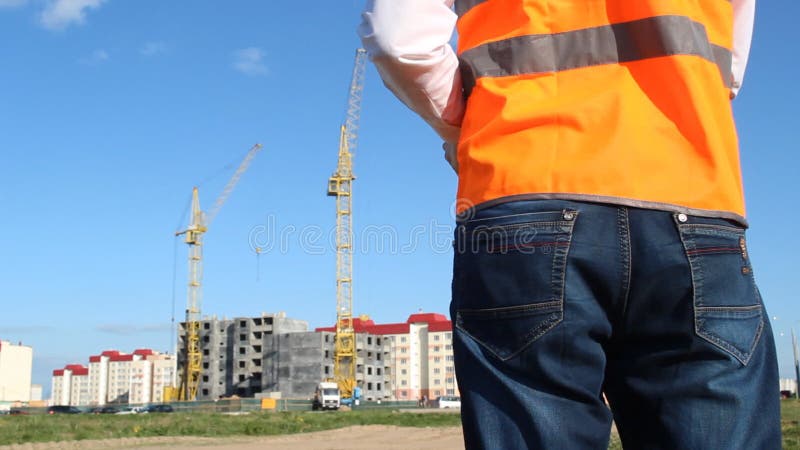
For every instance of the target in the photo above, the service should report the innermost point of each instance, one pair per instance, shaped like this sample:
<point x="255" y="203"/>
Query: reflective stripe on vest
<point x="622" y="101"/>
<point x="652" y="37"/>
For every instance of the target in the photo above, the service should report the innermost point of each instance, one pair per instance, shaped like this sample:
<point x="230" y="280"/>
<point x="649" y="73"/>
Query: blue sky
<point x="111" y="111"/>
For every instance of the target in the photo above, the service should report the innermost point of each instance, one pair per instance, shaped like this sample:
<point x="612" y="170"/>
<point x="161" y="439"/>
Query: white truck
<point x="326" y="396"/>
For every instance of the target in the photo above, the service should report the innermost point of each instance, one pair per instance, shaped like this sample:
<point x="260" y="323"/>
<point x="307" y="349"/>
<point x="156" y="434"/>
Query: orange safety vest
<point x="616" y="101"/>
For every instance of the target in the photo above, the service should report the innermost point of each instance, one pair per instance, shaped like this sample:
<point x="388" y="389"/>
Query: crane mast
<point x="193" y="236"/>
<point x="340" y="185"/>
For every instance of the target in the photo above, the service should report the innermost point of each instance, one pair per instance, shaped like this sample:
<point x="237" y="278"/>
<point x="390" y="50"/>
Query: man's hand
<point x="451" y="155"/>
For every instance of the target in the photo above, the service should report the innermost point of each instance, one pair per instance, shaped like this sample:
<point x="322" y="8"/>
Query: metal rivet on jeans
<point x="682" y="217"/>
<point x="569" y="215"/>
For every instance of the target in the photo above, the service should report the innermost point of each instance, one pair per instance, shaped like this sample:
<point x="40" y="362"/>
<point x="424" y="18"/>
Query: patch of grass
<point x="43" y="428"/>
<point x="790" y="424"/>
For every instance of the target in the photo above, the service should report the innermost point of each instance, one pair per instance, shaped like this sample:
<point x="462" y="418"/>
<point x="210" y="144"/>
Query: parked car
<point x="129" y="410"/>
<point x="62" y="409"/>
<point x="105" y="410"/>
<point x="157" y="409"/>
<point x="448" y="401"/>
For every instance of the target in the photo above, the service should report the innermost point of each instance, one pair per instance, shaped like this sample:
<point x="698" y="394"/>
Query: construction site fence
<point x="238" y="406"/>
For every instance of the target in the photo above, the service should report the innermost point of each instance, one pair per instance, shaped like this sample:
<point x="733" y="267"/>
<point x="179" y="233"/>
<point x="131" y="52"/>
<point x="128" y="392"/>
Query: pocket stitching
<point x="725" y="345"/>
<point x="548" y="324"/>
<point x="557" y="281"/>
<point x="696" y="271"/>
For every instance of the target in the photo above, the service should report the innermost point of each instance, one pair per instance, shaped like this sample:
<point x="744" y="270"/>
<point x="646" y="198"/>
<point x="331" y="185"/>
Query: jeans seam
<point x="507" y="216"/>
<point x="624" y="232"/>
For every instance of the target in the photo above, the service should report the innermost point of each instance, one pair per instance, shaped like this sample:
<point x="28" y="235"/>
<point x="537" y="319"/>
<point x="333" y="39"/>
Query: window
<point x="205" y="392"/>
<point x="206" y="326"/>
<point x="448" y="336"/>
<point x="437" y="382"/>
<point x="403" y="372"/>
<point x="378" y="341"/>
<point x="257" y="348"/>
<point x="243" y="323"/>
<point x="450" y="369"/>
<point x="402" y="339"/>
<point x="242" y="350"/>
<point x="449" y="357"/>
<point x="436" y="337"/>
<point x="403" y="350"/>
<point x="378" y="387"/>
<point x="241" y="377"/>
<point x="205" y="339"/>
<point x="403" y="361"/>
<point x="205" y="352"/>
<point x="403" y="383"/>
<point x="369" y="386"/>
<point x="369" y="341"/>
<point x="437" y="359"/>
<point x="437" y="370"/>
<point x="327" y="370"/>
<point x="205" y="378"/>
<point x="378" y="356"/>
<point x="369" y="370"/>
<point x="378" y="372"/>
<point x="242" y="337"/>
<point x="448" y="347"/>
<point x="436" y="348"/>
<point x="242" y="364"/>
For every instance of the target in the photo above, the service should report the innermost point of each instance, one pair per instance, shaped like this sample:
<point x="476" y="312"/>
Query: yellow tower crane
<point x="340" y="185"/>
<point x="200" y="221"/>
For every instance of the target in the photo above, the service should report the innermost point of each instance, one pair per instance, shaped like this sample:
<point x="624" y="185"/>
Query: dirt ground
<point x="370" y="437"/>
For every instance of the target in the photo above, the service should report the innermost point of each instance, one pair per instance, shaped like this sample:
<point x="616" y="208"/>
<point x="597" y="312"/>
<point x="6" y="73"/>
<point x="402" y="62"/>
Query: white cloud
<point x="153" y="48"/>
<point x="97" y="57"/>
<point x="12" y="3"/>
<point x="59" y="14"/>
<point x="249" y="61"/>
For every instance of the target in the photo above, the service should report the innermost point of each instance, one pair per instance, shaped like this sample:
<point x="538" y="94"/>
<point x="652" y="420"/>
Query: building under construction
<point x="233" y="352"/>
<point x="277" y="356"/>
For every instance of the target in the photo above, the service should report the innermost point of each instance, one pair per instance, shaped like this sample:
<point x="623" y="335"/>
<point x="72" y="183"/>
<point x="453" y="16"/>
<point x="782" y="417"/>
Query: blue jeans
<point x="556" y="303"/>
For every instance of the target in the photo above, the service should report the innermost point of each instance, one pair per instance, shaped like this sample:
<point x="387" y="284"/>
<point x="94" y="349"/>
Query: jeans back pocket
<point x="727" y="306"/>
<point x="509" y="274"/>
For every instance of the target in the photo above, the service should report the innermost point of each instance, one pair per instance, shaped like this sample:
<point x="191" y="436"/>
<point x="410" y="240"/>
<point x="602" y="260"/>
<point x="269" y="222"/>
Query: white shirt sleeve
<point x="743" y="17"/>
<point x="409" y="43"/>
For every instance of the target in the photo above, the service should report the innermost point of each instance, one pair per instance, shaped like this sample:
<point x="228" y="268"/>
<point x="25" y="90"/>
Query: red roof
<point x="427" y="318"/>
<point x="391" y="328"/>
<point x="436" y="322"/>
<point x="143" y="352"/>
<point x="74" y="367"/>
<point x="58" y="373"/>
<point x="83" y="371"/>
<point x="110" y="353"/>
<point x="360" y="326"/>
<point x="119" y="358"/>
<point x="440" y="326"/>
<point x="95" y="359"/>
